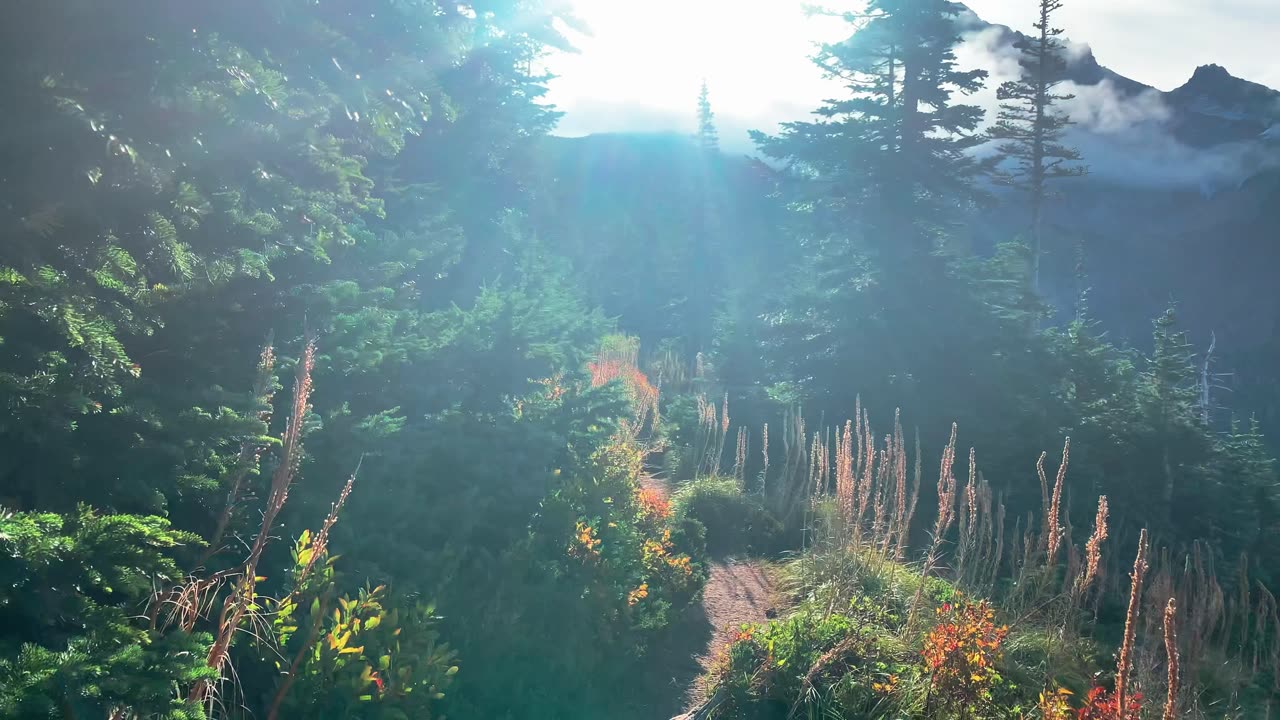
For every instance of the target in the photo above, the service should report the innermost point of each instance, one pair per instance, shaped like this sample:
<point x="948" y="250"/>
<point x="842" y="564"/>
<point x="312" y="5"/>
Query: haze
<point x="757" y="63"/>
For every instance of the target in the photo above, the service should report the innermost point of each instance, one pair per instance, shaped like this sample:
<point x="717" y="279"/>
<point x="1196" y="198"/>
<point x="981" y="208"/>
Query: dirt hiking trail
<point x="738" y="591"/>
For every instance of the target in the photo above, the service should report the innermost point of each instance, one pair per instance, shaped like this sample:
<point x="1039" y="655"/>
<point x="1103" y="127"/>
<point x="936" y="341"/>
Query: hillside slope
<point x="1180" y="206"/>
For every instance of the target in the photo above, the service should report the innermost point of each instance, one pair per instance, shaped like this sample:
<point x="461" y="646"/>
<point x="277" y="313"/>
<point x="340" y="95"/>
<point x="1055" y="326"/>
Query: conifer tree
<point x="1031" y="128"/>
<point x="876" y="182"/>
<point x="707" y="228"/>
<point x="892" y="154"/>
<point x="185" y="179"/>
<point x="1245" y="517"/>
<point x="1168" y="400"/>
<point x="708" y="137"/>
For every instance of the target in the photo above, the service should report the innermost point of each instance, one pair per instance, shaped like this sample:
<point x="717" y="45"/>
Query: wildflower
<point x="1125" y="662"/>
<point x="1093" y="549"/>
<point x="1171" y="653"/>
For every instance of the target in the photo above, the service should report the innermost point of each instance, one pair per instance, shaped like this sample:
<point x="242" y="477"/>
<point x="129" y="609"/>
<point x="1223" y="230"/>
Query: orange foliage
<point x="653" y="504"/>
<point x="585" y="543"/>
<point x="654" y="550"/>
<point x="1103" y="705"/>
<point x="681" y="563"/>
<point x="553" y="386"/>
<point x="638" y="594"/>
<point x="657" y="555"/>
<point x="961" y="652"/>
<point x="641" y="392"/>
<point x="887" y="687"/>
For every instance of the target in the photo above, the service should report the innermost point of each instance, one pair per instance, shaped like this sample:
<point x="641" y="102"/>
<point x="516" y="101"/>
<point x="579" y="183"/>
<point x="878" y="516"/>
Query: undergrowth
<point x="735" y="521"/>
<point x="849" y="649"/>
<point x="978" y="624"/>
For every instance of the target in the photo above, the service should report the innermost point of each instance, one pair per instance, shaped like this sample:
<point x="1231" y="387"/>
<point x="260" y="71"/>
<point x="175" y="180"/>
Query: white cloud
<point x="642" y="69"/>
<point x="1101" y="108"/>
<point x="1161" y="43"/>
<point x="1075" y="51"/>
<point x="1104" y="109"/>
<point x="988" y="50"/>
<point x="1124" y="137"/>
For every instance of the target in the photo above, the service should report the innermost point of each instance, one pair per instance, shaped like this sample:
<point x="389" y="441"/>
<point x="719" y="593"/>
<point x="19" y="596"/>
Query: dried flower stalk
<point x="1124" y="666"/>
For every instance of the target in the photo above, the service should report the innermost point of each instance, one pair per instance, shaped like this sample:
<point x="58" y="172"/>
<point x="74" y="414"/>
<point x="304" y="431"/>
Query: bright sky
<point x="641" y="68"/>
<point x="644" y="63"/>
<point x="1160" y="42"/>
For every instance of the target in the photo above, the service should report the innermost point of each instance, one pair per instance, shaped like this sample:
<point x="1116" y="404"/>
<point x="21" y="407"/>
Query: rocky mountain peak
<point x="1215" y="83"/>
<point x="1209" y="74"/>
<point x="1214" y="107"/>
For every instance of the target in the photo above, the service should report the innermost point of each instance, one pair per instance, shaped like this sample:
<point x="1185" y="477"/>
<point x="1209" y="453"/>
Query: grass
<point x="982" y="622"/>
<point x="848" y="648"/>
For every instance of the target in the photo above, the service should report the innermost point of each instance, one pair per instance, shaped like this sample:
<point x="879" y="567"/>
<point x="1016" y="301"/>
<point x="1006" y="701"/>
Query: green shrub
<point x="734" y="521"/>
<point x="820" y="664"/>
<point x="690" y="534"/>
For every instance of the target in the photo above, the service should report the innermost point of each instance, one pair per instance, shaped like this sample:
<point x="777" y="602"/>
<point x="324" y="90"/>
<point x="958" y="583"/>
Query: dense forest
<point x="334" y="385"/>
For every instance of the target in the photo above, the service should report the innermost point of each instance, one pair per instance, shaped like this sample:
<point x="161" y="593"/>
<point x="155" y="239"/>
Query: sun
<point x="642" y="64"/>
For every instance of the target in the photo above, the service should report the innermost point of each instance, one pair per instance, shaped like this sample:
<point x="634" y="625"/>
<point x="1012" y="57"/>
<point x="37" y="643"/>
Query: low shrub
<point x="734" y="521"/>
<point x="815" y="664"/>
<point x="960" y="654"/>
<point x="689" y="533"/>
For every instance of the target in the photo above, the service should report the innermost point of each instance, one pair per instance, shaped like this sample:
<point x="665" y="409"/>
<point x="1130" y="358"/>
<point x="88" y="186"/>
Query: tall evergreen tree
<point x="708" y="137"/>
<point x="876" y="182"/>
<point x="892" y="155"/>
<point x="707" y="229"/>
<point x="1031" y="128"/>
